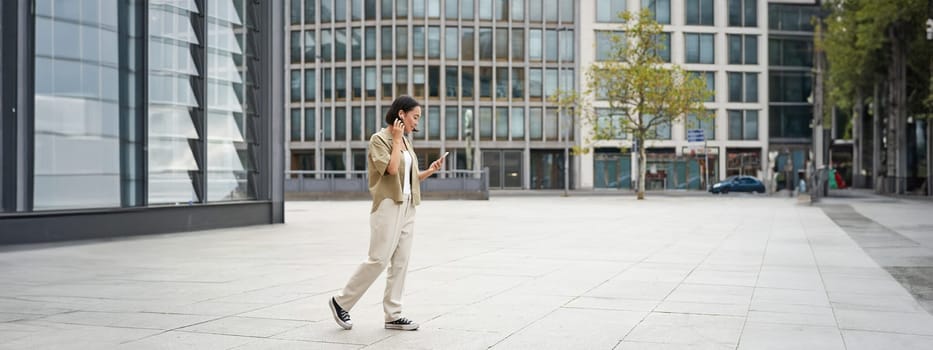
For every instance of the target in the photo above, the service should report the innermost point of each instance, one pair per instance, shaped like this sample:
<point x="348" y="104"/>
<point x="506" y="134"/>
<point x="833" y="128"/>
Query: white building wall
<point x="586" y="57"/>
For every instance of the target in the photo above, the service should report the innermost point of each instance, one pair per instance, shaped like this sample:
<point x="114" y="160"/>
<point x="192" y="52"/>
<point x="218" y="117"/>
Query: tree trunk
<point x="899" y="78"/>
<point x="876" y="137"/>
<point x="857" y="178"/>
<point x="642" y="164"/>
<point x="891" y="112"/>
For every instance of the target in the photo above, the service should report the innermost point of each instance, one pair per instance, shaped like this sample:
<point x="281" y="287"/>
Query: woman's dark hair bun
<point x="403" y="103"/>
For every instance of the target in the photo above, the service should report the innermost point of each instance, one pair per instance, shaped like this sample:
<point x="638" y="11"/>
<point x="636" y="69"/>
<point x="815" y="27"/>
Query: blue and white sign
<point x="696" y="135"/>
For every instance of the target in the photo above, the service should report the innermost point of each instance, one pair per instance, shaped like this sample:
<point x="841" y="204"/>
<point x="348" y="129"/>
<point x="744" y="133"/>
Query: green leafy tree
<point x="638" y="85"/>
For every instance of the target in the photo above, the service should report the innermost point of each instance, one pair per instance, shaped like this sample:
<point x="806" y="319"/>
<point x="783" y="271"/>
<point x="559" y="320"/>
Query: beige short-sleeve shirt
<point x="382" y="185"/>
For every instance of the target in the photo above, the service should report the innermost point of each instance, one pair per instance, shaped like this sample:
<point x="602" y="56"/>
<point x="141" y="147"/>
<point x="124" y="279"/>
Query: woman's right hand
<point x="397" y="129"/>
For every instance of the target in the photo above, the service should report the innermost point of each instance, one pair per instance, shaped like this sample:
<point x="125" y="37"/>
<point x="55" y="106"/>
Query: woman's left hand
<point x="437" y="164"/>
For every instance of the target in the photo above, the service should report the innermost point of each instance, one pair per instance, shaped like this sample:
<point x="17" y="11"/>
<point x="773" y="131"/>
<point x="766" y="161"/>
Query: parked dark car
<point x="738" y="184"/>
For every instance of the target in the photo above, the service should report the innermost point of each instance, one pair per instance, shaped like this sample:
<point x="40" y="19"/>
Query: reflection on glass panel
<point x="550" y="10"/>
<point x="386" y="42"/>
<point x="356" y="124"/>
<point x="466" y="9"/>
<point x="369" y="10"/>
<point x="401" y="80"/>
<point x="518" y="83"/>
<point x="310" y="9"/>
<point x="502" y="123"/>
<point x="502" y="10"/>
<point x="517" y="123"/>
<point x="418" y="80"/>
<point x="451" y="81"/>
<point x="356" y="82"/>
<point x="502" y="43"/>
<point x="340" y="124"/>
<point x="387" y="9"/>
<point x="326" y="83"/>
<point x="551" y="45"/>
<point x="370" y="43"/>
<point x="417" y="8"/>
<point x="340" y="10"/>
<point x="309" y="46"/>
<point x="751" y="49"/>
<point x="485" y="123"/>
<point x="485" y="10"/>
<point x="518" y="10"/>
<point x="660" y="8"/>
<point x="401" y="11"/>
<point x="372" y="122"/>
<point x="550" y="124"/>
<point x="518" y="44"/>
<point x="450" y="9"/>
<point x="327" y="118"/>
<point x="401" y="42"/>
<point x="295" y="125"/>
<point x="485" y="82"/>
<point x="434" y="81"/>
<point x="295" y="47"/>
<point x="417" y="41"/>
<point x="566" y="45"/>
<point x="485" y="43"/>
<point x="451" y="43"/>
<point x="340" y="45"/>
<point x="751" y="125"/>
<point x="340" y="83"/>
<point x="735" y="86"/>
<point x="387" y="83"/>
<point x="356" y="10"/>
<point x="434" y="8"/>
<point x="535" y="124"/>
<point x="466" y="46"/>
<point x="550" y="82"/>
<point x="466" y="82"/>
<point x="325" y="45"/>
<point x="326" y="6"/>
<point x="450" y="123"/>
<point x="295" y="10"/>
<point x="434" y="42"/>
<point x="171" y="102"/>
<point x="434" y="123"/>
<point x="502" y="83"/>
<point x="295" y="85"/>
<point x="356" y="50"/>
<point x="370" y="82"/>
<point x="751" y="87"/>
<point x="467" y="123"/>
<point x="535" y="83"/>
<point x="229" y="87"/>
<point x="534" y="44"/>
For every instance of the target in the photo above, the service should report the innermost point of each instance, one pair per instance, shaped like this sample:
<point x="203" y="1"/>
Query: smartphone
<point x="445" y="155"/>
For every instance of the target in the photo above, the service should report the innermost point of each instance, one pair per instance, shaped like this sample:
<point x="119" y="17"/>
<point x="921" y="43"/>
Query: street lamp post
<point x="319" y="127"/>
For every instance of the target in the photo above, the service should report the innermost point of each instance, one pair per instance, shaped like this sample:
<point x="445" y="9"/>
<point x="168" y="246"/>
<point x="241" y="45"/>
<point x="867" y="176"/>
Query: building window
<point x="518" y="83"/>
<point x="309" y="131"/>
<point x="502" y="44"/>
<point x="356" y="10"/>
<point x="790" y="121"/>
<point x="792" y="17"/>
<point x="550" y="124"/>
<point x="517" y="123"/>
<point x="309" y="46"/>
<point x="551" y="45"/>
<point x="466" y="82"/>
<point x="417" y="42"/>
<point x="434" y="81"/>
<point x="502" y="83"/>
<point x="434" y="42"/>
<point x="661" y="131"/>
<point x="466" y="9"/>
<point x="295" y="126"/>
<point x="370" y="43"/>
<point x="340" y="11"/>
<point x="356" y="123"/>
<point x="466" y="46"/>
<point x="485" y="82"/>
<point x="451" y="83"/>
<point x="566" y="45"/>
<point x="295" y="86"/>
<point x="502" y="123"/>
<point x="485" y="10"/>
<point x="386" y="42"/>
<point x="743" y="49"/>
<point x="664" y="40"/>
<point x="535" y="41"/>
<point x="605" y="46"/>
<point x="535" y="83"/>
<point x="787" y="52"/>
<point x="356" y="42"/>
<point x="485" y="123"/>
<point x="518" y="45"/>
<point x="434" y="8"/>
<point x="370" y="82"/>
<point x="567" y="11"/>
<point x="792" y="86"/>
<point x="485" y="43"/>
<point x="310" y="6"/>
<point x="295" y="11"/>
<point x="401" y="42"/>
<point x="401" y="80"/>
<point x="340" y="124"/>
<point x="309" y="85"/>
<point x="743" y="13"/>
<point x="700" y="48"/>
<point x="708" y="125"/>
<point x="451" y="43"/>
<point x="387" y="83"/>
<point x="340" y="83"/>
<point x="743" y="87"/>
<point x="326" y="10"/>
<point x="326" y="43"/>
<point x="609" y="10"/>
<point x="451" y="123"/>
<point x="550" y="10"/>
<point x="434" y="123"/>
<point x="518" y="10"/>
<point x="417" y="9"/>
<point x="660" y="8"/>
<point x="700" y="12"/>
<point x="743" y="124"/>
<point x="295" y="46"/>
<point x="418" y="81"/>
<point x="535" y="124"/>
<point x="611" y="124"/>
<point x="340" y="45"/>
<point x="710" y="79"/>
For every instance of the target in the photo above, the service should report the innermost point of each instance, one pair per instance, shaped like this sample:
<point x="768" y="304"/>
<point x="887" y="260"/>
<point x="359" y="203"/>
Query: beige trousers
<point x="391" y="229"/>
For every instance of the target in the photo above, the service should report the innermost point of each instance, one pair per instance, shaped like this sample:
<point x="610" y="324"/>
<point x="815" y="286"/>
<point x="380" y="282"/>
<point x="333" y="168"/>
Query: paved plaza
<point x="535" y="272"/>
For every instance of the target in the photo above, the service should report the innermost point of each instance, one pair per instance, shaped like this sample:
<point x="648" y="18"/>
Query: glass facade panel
<point x="550" y="10"/>
<point x="535" y="41"/>
<point x="309" y="46"/>
<point x="535" y="124"/>
<point x="295" y="47"/>
<point x="434" y="81"/>
<point x="751" y="125"/>
<point x="356" y="123"/>
<point x="370" y="43"/>
<point x="356" y="41"/>
<point x="518" y="10"/>
<point x="450" y="123"/>
<point x="417" y="42"/>
<point x="370" y="9"/>
<point x="434" y="123"/>
<point x="485" y="123"/>
<point x="340" y="10"/>
<point x="401" y="9"/>
<point x="387" y="9"/>
<point x="517" y="123"/>
<point x="466" y="82"/>
<point x="485" y="82"/>
<point x="502" y="83"/>
<point x="310" y="10"/>
<point x="567" y="11"/>
<point x="550" y="124"/>
<point x="485" y="43"/>
<point x="295" y="86"/>
<point x="502" y="123"/>
<point x="434" y="8"/>
<point x="340" y="45"/>
<point x="518" y="83"/>
<point x="418" y="79"/>
<point x="535" y="83"/>
<point x="609" y="10"/>
<point x="485" y="10"/>
<point x="340" y="83"/>
<point x="751" y="87"/>
<point x="171" y="104"/>
<point x="466" y="9"/>
<point x="310" y="129"/>
<point x="450" y="9"/>
<point x="340" y="124"/>
<point x="309" y="85"/>
<point x="386" y="42"/>
<point x="356" y="83"/>
<point x="567" y="47"/>
<point x="451" y="43"/>
<point x="450" y="81"/>
<point x="502" y="44"/>
<point x="551" y="45"/>
<point x="467" y="53"/>
<point x="502" y="10"/>
<point x="518" y="45"/>
<point x="401" y="42"/>
<point x="356" y="10"/>
<point x="434" y="42"/>
<point x="370" y="82"/>
<point x="417" y="8"/>
<point x="401" y="80"/>
<point x="660" y="8"/>
<point x="387" y="83"/>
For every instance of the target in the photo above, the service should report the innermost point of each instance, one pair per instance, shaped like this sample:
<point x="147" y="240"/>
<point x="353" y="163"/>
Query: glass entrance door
<point x="505" y="168"/>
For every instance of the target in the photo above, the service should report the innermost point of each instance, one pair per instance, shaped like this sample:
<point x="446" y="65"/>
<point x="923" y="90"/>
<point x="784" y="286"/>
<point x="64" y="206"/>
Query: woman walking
<point x="394" y="183"/>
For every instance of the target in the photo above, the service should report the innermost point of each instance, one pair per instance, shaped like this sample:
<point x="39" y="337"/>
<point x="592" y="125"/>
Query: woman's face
<point x="410" y="118"/>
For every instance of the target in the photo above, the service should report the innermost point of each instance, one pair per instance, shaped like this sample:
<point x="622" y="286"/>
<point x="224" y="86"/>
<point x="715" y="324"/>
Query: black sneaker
<point x="402" y="324"/>
<point x="340" y="315"/>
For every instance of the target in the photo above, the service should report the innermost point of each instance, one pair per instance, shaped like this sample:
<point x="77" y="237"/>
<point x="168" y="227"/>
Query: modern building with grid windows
<point x="131" y="117"/>
<point x="484" y="70"/>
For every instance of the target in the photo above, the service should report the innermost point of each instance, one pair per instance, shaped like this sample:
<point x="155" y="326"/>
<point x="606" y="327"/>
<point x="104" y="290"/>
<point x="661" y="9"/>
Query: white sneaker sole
<point x="402" y="327"/>
<point x="340" y="322"/>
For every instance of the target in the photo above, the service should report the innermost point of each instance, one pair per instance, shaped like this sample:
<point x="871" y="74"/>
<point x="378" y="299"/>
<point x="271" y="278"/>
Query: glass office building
<point x="483" y="70"/>
<point x="128" y="117"/>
